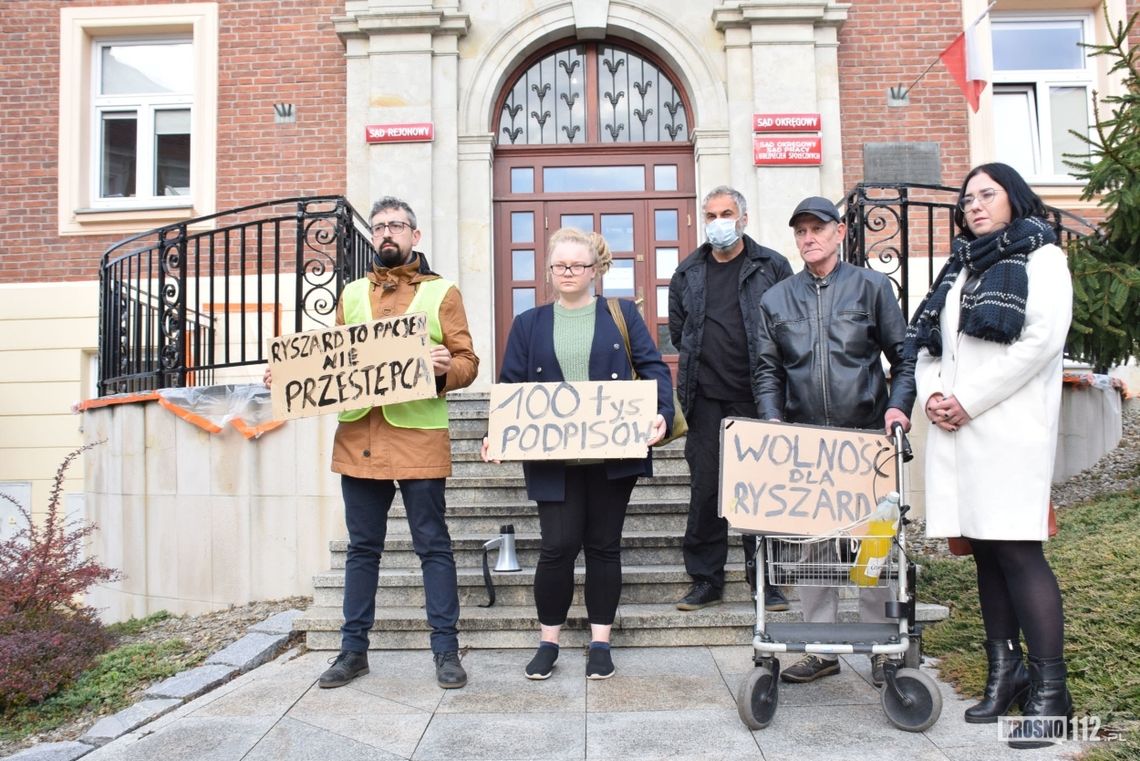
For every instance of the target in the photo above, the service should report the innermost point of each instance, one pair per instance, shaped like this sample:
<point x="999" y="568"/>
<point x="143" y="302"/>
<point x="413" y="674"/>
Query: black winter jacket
<point x="821" y="346"/>
<point x="763" y="269"/>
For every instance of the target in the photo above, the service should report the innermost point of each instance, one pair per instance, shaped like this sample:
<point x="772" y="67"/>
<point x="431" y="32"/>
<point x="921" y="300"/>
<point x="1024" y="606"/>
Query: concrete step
<point x="666" y="516"/>
<point x="468" y="463"/>
<point x="636" y="625"/>
<point x="640" y="584"/>
<point x="462" y="426"/>
<point x="468" y="403"/>
<point x="638" y="548"/>
<point x="503" y="489"/>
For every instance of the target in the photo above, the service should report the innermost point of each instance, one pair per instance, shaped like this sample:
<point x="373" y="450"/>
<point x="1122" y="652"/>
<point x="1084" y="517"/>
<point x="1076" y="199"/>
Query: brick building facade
<point x="269" y="52"/>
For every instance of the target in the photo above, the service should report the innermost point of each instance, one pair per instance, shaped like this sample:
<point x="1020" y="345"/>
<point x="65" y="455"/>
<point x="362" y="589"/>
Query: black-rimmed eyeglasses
<point x="395" y="227"/>
<point x="571" y="269"/>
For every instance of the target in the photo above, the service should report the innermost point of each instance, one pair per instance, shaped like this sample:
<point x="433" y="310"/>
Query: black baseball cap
<point x="818" y="207"/>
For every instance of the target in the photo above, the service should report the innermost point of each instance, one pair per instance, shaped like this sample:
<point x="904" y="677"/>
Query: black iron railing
<point x="905" y="231"/>
<point x="182" y="302"/>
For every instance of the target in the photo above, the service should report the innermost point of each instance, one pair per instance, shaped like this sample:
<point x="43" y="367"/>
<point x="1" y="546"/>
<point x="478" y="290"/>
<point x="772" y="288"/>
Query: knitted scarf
<point x="995" y="310"/>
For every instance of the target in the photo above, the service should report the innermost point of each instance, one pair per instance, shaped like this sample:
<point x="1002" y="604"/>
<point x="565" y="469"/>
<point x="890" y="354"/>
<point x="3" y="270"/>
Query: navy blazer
<point x="530" y="358"/>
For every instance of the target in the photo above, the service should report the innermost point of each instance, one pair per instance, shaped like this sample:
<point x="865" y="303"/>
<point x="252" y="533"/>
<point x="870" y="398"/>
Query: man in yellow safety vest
<point x="406" y="444"/>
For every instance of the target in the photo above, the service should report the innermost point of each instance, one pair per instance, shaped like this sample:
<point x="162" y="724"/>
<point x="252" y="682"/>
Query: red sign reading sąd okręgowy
<point x="785" y="123"/>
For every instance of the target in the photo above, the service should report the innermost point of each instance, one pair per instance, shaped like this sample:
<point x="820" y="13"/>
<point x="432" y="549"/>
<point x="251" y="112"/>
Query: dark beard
<point x="389" y="256"/>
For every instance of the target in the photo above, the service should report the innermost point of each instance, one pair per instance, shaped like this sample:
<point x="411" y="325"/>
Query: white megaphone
<point x="508" y="561"/>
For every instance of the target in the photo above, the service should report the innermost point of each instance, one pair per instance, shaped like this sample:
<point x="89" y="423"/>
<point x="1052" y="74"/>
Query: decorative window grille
<point x="593" y="94"/>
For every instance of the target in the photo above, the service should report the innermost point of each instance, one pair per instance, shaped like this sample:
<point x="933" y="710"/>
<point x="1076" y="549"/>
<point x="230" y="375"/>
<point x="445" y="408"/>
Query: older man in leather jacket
<point x="822" y="338"/>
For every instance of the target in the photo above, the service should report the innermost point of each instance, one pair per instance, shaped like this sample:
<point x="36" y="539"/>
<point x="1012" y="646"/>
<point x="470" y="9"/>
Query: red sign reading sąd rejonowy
<point x="796" y="151"/>
<point x="785" y="122"/>
<point x="419" y="132"/>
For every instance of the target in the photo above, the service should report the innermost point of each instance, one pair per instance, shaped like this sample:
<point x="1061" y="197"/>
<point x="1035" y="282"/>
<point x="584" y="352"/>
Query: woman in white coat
<point x="989" y="340"/>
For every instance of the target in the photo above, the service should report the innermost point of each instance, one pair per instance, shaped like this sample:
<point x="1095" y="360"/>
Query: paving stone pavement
<point x="675" y="702"/>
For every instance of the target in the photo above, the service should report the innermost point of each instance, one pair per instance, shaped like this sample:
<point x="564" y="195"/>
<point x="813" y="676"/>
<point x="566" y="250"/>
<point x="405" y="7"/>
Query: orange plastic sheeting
<point x="247" y="407"/>
<point x="1095" y="380"/>
<point x="107" y="401"/>
<point x="254" y="431"/>
<point x="189" y="416"/>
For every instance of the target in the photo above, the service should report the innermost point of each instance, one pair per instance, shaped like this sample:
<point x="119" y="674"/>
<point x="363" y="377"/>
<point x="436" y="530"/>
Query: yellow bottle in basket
<point x="875" y="547"/>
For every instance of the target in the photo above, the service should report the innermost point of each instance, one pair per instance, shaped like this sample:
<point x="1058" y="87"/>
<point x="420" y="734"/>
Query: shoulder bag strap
<point x="619" y="320"/>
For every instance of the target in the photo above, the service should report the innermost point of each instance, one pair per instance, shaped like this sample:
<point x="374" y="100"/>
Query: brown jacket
<point x="370" y="447"/>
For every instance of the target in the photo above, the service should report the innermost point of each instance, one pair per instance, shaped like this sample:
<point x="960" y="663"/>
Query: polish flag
<point x="965" y="64"/>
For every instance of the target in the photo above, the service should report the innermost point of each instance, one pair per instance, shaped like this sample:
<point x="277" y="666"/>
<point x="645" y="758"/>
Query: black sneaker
<point x="600" y="665"/>
<point x="345" y="667"/>
<point x="701" y="595"/>
<point x="449" y="672"/>
<point x="878" y="675"/>
<point x="541" y="666"/>
<point x="809" y="668"/>
<point x="774" y="600"/>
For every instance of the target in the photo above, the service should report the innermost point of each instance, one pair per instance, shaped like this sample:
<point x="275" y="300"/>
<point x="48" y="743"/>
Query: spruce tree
<point x="1106" y="275"/>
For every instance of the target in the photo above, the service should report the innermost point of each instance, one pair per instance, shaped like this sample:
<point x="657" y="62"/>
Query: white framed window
<point x="138" y="116"/>
<point x="1042" y="89"/>
<point x="142" y="106"/>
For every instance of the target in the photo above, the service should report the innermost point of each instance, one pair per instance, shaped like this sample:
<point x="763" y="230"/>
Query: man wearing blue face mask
<point x="714" y="309"/>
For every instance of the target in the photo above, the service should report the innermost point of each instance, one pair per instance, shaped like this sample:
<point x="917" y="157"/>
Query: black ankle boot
<point x="1006" y="684"/>
<point x="1048" y="696"/>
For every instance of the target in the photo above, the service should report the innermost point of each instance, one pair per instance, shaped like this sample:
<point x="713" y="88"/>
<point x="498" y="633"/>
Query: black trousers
<point x="590" y="519"/>
<point x="706" y="537"/>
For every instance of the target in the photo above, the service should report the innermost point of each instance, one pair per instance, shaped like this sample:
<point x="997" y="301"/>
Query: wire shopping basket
<point x="828" y="561"/>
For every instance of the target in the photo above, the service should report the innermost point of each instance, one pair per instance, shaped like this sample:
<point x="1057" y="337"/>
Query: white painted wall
<point x="199" y="521"/>
<point x="48" y="337"/>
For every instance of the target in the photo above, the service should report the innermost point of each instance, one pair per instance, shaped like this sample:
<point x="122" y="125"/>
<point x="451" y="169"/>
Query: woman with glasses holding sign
<point x="989" y="340"/>
<point x="581" y="503"/>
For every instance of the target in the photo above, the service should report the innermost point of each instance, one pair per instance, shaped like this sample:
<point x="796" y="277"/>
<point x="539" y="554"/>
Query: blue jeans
<point x="366" y="505"/>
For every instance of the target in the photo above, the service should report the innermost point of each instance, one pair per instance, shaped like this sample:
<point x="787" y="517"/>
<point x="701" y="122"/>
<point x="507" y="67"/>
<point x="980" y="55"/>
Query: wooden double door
<point x="648" y="237"/>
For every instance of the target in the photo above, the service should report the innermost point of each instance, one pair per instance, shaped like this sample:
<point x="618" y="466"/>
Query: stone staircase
<point x="483" y="496"/>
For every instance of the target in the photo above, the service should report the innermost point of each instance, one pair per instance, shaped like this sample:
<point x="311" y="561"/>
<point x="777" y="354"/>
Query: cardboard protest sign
<point x="570" y="421"/>
<point x="777" y="478"/>
<point x="351" y="366"/>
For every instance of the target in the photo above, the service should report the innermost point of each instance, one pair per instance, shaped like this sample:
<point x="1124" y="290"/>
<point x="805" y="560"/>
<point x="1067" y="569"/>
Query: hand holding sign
<point x="658" y="432"/>
<point x="440" y="359"/>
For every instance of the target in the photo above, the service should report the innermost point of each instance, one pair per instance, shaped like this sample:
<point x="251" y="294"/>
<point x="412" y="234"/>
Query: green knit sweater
<point x="573" y="337"/>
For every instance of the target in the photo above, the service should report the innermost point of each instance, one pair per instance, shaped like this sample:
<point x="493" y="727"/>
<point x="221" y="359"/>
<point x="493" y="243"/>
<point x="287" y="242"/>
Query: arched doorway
<point x="594" y="136"/>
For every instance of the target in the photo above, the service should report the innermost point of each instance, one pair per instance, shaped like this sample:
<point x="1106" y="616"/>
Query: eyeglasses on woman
<point x="572" y="269"/>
